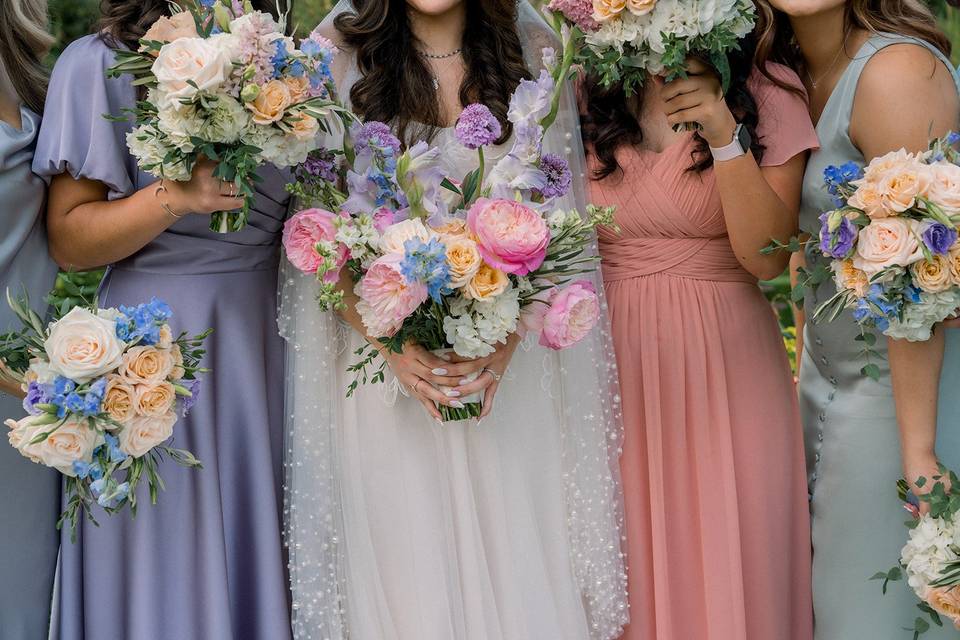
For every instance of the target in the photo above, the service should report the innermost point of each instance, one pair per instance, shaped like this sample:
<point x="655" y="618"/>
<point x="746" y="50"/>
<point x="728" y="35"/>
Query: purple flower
<point x="939" y="238"/>
<point x="375" y="135"/>
<point x="321" y="164"/>
<point x="187" y="402"/>
<point x="558" y="175"/>
<point x="477" y="127"/>
<point x="36" y="394"/>
<point x="838" y="244"/>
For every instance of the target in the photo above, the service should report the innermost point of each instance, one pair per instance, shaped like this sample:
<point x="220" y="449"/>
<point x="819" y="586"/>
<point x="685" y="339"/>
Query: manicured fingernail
<point x="438" y="421"/>
<point x="479" y="422"/>
<point x="453" y="394"/>
<point x="464" y="381"/>
<point x="439" y="372"/>
<point x="456" y="404"/>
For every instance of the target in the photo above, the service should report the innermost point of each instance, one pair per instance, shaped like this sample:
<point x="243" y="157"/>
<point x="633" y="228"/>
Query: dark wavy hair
<point x="24" y="42"/>
<point x="609" y="123"/>
<point x="124" y="22"/>
<point x="396" y="85"/>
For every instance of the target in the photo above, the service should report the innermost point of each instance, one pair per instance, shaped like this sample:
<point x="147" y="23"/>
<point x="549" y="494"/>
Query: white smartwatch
<point x="738" y="147"/>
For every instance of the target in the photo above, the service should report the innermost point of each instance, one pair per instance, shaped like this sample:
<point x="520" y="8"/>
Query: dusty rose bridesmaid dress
<point x="713" y="464"/>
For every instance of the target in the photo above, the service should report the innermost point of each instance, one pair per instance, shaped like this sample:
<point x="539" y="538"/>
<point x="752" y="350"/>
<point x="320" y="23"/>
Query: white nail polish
<point x="456" y="404"/>
<point x="439" y="372"/>
<point x="479" y="422"/>
<point x="453" y="393"/>
<point x="464" y="381"/>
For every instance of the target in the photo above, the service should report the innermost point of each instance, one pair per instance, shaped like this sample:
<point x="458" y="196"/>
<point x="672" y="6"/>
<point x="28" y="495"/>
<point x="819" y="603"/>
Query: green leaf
<point x="871" y="371"/>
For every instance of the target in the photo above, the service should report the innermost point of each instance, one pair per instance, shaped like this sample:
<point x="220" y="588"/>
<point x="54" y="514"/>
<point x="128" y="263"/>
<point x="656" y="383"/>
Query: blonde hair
<point x="24" y="42"/>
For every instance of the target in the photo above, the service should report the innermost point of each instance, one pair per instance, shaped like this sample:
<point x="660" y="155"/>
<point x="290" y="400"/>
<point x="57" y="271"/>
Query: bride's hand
<point x="491" y="371"/>
<point x="421" y="373"/>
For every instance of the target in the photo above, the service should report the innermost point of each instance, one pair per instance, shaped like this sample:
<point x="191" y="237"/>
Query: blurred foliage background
<point x="71" y="19"/>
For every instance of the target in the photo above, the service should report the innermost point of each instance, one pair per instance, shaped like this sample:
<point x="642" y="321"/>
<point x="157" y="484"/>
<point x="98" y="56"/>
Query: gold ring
<point x="416" y="385"/>
<point x="496" y="376"/>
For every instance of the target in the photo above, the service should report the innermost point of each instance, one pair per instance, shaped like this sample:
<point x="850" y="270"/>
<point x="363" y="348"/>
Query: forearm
<point x="349" y="310"/>
<point x="797" y="261"/>
<point x="915" y="374"/>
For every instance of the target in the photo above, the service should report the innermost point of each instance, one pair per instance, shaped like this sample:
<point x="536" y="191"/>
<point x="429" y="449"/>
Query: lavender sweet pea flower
<point x="477" y="127"/>
<point x="939" y="238"/>
<point x="839" y="243"/>
<point x="531" y="101"/>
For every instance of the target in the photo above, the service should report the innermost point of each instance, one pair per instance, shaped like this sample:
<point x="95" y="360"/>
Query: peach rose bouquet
<point x="452" y="262"/>
<point x="226" y="82"/>
<point x="893" y="241"/>
<point x="103" y="391"/>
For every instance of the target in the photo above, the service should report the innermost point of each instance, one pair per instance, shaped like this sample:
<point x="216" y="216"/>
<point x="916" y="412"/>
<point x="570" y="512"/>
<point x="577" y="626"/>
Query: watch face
<point x="743" y="137"/>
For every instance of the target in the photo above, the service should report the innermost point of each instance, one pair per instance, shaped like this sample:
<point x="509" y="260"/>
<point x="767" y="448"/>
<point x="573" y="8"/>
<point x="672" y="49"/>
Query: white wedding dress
<point x="403" y="529"/>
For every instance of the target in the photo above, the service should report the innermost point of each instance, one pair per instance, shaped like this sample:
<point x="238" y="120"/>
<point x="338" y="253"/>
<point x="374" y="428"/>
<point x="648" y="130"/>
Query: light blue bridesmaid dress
<point x="853" y="447"/>
<point x="29" y="493"/>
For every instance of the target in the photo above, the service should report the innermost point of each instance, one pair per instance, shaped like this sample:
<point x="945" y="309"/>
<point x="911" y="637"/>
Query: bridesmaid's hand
<point x="699" y="98"/>
<point x="8" y="384"/>
<point x="491" y="372"/>
<point x="203" y="193"/>
<point x="923" y="466"/>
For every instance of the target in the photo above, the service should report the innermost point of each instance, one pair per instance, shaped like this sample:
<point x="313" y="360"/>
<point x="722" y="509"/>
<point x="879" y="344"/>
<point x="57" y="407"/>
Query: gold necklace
<point x="815" y="82"/>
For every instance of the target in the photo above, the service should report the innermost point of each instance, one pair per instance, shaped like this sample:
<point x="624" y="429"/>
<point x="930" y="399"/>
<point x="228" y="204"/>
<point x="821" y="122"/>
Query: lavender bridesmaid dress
<point x="207" y="562"/>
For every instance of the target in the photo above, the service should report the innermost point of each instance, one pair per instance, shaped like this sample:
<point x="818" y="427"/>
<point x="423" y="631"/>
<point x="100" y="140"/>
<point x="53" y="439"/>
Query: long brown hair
<point x="776" y="41"/>
<point x="396" y="86"/>
<point x="24" y="41"/>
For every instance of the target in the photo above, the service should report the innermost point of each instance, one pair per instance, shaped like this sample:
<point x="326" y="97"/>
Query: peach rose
<point x="604" y="10"/>
<point x="155" y="401"/>
<point x="464" y="260"/>
<point x="299" y="87"/>
<point x="178" y="370"/>
<point x="900" y="187"/>
<point x="394" y="237"/>
<point x="189" y="66"/>
<point x="305" y="127"/>
<point x="953" y="258"/>
<point x="933" y="276"/>
<point x="886" y="243"/>
<point x="22" y="432"/>
<point x="880" y="166"/>
<point x="119" y="399"/>
<point x="867" y="199"/>
<point x="848" y="276"/>
<point x="180" y="25"/>
<point x="946" y="600"/>
<point x="270" y="105"/>
<point x="143" y="433"/>
<point x="166" y="337"/>
<point x="945" y="187"/>
<point x="83" y="346"/>
<point x="451" y="227"/>
<point x="487" y="283"/>
<point x="146" y="365"/>
<point x="641" y="7"/>
<point x="72" y="441"/>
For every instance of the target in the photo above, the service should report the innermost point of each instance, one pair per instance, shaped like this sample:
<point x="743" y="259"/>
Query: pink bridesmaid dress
<point x="713" y="468"/>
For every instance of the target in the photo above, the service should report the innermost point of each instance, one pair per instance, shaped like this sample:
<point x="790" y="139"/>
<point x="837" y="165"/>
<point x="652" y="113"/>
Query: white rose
<point x="394" y="237"/>
<point x="143" y="433"/>
<point x="72" y="441"/>
<point x="945" y="187"/>
<point x="82" y="346"/>
<point x="887" y="242"/>
<point x="187" y="66"/>
<point x="21" y="433"/>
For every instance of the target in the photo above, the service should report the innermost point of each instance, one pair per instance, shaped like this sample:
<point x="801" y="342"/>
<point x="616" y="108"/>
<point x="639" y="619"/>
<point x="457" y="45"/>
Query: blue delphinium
<point x="85" y="470"/>
<point x="112" y="443"/>
<point x="878" y="308"/>
<point x="836" y="177"/>
<point x="426" y="262"/>
<point x="279" y="59"/>
<point x="142" y="323"/>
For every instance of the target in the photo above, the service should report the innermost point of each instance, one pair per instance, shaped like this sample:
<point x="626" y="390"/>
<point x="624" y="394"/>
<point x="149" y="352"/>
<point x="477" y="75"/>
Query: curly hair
<point x="24" y="41"/>
<point x="125" y="21"/>
<point x="395" y="79"/>
<point x="610" y="123"/>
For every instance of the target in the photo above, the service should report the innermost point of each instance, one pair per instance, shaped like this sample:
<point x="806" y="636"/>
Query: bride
<point x="403" y="528"/>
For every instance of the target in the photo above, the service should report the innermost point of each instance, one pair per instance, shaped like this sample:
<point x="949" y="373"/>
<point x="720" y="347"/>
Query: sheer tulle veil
<point x="581" y="381"/>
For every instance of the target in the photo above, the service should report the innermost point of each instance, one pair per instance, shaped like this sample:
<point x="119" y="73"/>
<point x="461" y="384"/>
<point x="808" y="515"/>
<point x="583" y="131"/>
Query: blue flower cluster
<point x="142" y="323"/>
<point x="426" y="262"/>
<point x="836" y="177"/>
<point x="69" y="398"/>
<point x="279" y="60"/>
<point x="879" y="308"/>
<point x="321" y="57"/>
<point x="108" y="491"/>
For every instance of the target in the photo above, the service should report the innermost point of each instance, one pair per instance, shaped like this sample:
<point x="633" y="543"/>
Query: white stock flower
<point x="226" y="120"/>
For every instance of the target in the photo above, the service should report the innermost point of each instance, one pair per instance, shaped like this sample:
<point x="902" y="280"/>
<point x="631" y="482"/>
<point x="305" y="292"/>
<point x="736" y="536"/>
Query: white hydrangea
<point x="225" y="121"/>
<point x="929" y="547"/>
<point x="180" y="123"/>
<point x="145" y="145"/>
<point x="276" y="147"/>
<point x="463" y="335"/>
<point x="919" y="317"/>
<point x="475" y="328"/>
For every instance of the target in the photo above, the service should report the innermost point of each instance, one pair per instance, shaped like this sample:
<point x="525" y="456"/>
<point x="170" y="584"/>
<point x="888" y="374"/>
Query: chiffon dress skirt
<point x="207" y="561"/>
<point x="713" y="466"/>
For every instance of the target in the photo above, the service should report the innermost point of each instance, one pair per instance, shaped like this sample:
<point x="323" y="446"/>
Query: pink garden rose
<point x="303" y="231"/>
<point x="512" y="237"/>
<point x="386" y="298"/>
<point x="567" y="317"/>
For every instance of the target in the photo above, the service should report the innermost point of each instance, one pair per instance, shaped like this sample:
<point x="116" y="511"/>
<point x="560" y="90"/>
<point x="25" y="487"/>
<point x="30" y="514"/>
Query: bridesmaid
<point x="207" y="562"/>
<point x="879" y="79"/>
<point x="716" y="509"/>
<point x="29" y="493"/>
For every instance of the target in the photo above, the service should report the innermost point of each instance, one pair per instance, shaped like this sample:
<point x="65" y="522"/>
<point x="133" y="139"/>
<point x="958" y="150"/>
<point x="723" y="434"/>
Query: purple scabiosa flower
<point x="839" y="243"/>
<point x="321" y="164"/>
<point x="375" y="135"/>
<point x="558" y="175"/>
<point x="477" y="127"/>
<point x="939" y="238"/>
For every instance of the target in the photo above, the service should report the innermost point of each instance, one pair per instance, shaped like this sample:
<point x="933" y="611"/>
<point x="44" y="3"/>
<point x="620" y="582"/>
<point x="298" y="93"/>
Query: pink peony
<point x="566" y="316"/>
<point x="386" y="298"/>
<point x="512" y="237"/>
<point x="303" y="231"/>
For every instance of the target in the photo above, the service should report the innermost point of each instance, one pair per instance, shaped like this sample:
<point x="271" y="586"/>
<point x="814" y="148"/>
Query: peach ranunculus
<point x="945" y="187"/>
<point x="867" y="199"/>
<point x="169" y="29"/>
<point x="933" y="276"/>
<point x="394" y="238"/>
<point x="641" y="7"/>
<point x="83" y="346"/>
<point x="886" y="243"/>
<point x="946" y="601"/>
<point x="155" y="400"/>
<point x="70" y="442"/>
<point x="487" y="283"/>
<point x="848" y="276"/>
<point x="119" y="399"/>
<point x="271" y="103"/>
<point x="900" y="187"/>
<point x="605" y="10"/>
<point x="299" y="87"/>
<point x="187" y="67"/>
<point x="304" y="127"/>
<point x="146" y="365"/>
<point x="143" y="433"/>
<point x="464" y="260"/>
<point x="512" y="237"/>
<point x="386" y="298"/>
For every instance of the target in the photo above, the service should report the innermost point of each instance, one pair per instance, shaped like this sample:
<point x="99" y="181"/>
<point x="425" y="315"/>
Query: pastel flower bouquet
<point x="930" y="560"/>
<point x="104" y="390"/>
<point x="454" y="263"/>
<point x="225" y="83"/>
<point x="892" y="240"/>
<point x="624" y="40"/>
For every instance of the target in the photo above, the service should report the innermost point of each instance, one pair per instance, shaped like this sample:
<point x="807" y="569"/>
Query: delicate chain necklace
<point x="815" y="82"/>
<point x="441" y="56"/>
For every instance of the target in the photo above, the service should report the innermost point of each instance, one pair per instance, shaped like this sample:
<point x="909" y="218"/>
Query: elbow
<point x="66" y="258"/>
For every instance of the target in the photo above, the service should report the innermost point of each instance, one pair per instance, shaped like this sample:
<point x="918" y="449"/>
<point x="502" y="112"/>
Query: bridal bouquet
<point x="931" y="558"/>
<point x="104" y="390"/>
<point x="624" y="40"/>
<point x="454" y="263"/>
<point x="892" y="240"/>
<point x="225" y="83"/>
